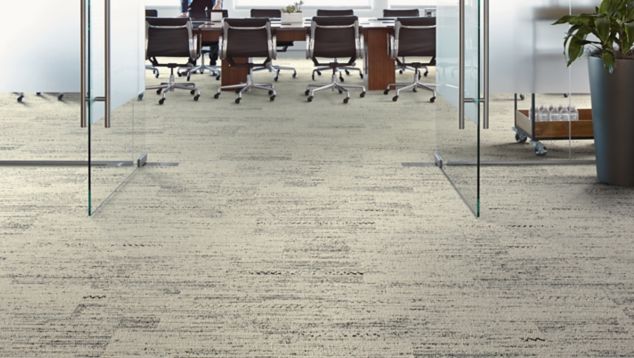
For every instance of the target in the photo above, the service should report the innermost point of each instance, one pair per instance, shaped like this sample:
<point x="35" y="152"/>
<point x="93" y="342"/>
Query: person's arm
<point x="218" y="5"/>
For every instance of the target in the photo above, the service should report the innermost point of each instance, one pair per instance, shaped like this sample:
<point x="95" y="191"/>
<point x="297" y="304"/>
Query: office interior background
<point x="177" y="224"/>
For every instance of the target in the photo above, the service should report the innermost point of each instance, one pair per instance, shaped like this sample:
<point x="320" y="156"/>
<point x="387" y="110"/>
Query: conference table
<point x="378" y="66"/>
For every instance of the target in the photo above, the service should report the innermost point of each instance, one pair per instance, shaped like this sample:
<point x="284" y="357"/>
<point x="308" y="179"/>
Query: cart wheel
<point x="520" y="138"/>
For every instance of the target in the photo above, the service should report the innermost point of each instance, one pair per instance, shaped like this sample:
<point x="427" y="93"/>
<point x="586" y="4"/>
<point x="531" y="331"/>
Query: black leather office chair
<point x="171" y="38"/>
<point x="155" y="70"/>
<point x="151" y="13"/>
<point x="247" y="38"/>
<point x="334" y="37"/>
<point x="281" y="46"/>
<point x="346" y="69"/>
<point x="394" y="13"/>
<point x="346" y="12"/>
<point x="207" y="48"/>
<point x="414" y="37"/>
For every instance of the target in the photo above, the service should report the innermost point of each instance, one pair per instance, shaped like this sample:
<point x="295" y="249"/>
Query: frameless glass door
<point x="114" y="49"/>
<point x="461" y="102"/>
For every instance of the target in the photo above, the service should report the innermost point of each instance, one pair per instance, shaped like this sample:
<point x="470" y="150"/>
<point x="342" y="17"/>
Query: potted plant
<point x="607" y="36"/>
<point x="292" y="14"/>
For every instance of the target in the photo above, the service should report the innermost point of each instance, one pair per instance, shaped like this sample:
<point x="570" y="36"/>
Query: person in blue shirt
<point x="210" y="5"/>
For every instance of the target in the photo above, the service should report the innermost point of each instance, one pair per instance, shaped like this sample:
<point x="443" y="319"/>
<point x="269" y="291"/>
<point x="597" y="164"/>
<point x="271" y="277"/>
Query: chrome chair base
<point x="413" y="86"/>
<point x="333" y="85"/>
<point x="245" y="87"/>
<point x="345" y="69"/>
<point x="214" y="71"/>
<point x="277" y="69"/>
<point x="172" y="85"/>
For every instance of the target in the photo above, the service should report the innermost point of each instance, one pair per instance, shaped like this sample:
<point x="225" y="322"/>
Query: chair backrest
<point x="401" y="13"/>
<point x="268" y="13"/>
<point x="415" y="36"/>
<point x="169" y="37"/>
<point x="247" y="38"/>
<point x="334" y="36"/>
<point x="321" y="12"/>
<point x="151" y="13"/>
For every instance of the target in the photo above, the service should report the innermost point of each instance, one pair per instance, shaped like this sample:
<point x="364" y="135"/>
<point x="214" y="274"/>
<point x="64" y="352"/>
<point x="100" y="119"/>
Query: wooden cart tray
<point x="581" y="129"/>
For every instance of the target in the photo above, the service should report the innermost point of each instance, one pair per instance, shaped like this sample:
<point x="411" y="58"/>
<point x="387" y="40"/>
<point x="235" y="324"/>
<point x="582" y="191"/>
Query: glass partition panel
<point x="39" y="90"/>
<point x="116" y="61"/>
<point x="459" y="85"/>
<point x="527" y="55"/>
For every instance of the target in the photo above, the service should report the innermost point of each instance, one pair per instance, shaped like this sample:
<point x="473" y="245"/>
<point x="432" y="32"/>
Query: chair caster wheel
<point x="414" y="90"/>
<point x="60" y="97"/>
<point x="520" y="138"/>
<point x="309" y="99"/>
<point x="386" y="92"/>
<point x="236" y="91"/>
<point x="522" y="97"/>
<point x="294" y="74"/>
<point x="276" y="78"/>
<point x="361" y="75"/>
<point x="306" y="93"/>
<point x="362" y="94"/>
<point x="217" y="95"/>
<point x="140" y="97"/>
<point x="271" y="93"/>
<point x="313" y="76"/>
<point x="426" y="73"/>
<point x="192" y="92"/>
<point x="341" y="79"/>
<point x="400" y="72"/>
<point x="272" y="98"/>
<point x="237" y="101"/>
<point x="189" y="78"/>
<point x="38" y="93"/>
<point x="179" y="74"/>
<point x="196" y="97"/>
<point x="395" y="98"/>
<point x="20" y="98"/>
<point x="218" y="78"/>
<point x="340" y="92"/>
<point x="347" y="73"/>
<point x="432" y="100"/>
<point x="346" y="100"/>
<point x="161" y="101"/>
<point x="156" y="75"/>
<point x="158" y="91"/>
<point x="319" y="73"/>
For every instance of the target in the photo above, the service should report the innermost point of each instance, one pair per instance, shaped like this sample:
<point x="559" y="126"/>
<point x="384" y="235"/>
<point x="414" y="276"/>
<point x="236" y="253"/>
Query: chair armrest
<point x="360" y="46"/>
<point x="309" y="47"/>
<point x="222" y="49"/>
<point x="194" y="48"/>
<point x="392" y="50"/>
<point x="274" y="47"/>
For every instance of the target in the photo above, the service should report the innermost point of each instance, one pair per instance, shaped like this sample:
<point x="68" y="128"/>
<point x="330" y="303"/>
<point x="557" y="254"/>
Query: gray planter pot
<point x="613" y="120"/>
